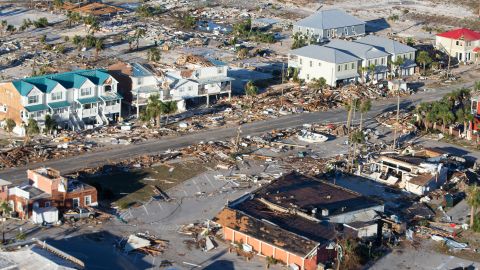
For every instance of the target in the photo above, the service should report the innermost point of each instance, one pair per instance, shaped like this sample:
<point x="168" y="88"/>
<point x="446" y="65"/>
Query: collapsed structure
<point x="296" y="219"/>
<point x="418" y="172"/>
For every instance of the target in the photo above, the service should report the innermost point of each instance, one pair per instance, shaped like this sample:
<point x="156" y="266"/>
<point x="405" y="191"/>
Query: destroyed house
<point x="73" y="99"/>
<point x="417" y="174"/>
<point x="296" y="219"/>
<point x="47" y="188"/>
<point x="194" y="77"/>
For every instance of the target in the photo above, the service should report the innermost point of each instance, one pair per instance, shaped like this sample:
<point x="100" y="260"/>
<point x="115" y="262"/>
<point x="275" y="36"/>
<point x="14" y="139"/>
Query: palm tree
<point x="371" y="70"/>
<point x="424" y="58"/>
<point x="139" y="33"/>
<point x="473" y="200"/>
<point x="365" y="106"/>
<point x="169" y="108"/>
<point x="396" y="64"/>
<point x="50" y="124"/>
<point x="155" y="108"/>
<point x="4" y="24"/>
<point x="251" y="89"/>
<point x="31" y="129"/>
<point x="6" y="210"/>
<point x="154" y="54"/>
<point x="98" y="47"/>
<point x="9" y="126"/>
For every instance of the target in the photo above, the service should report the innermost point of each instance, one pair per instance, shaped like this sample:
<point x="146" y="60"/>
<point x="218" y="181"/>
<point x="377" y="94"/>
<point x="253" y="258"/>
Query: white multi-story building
<point x="197" y="77"/>
<point x="463" y="44"/>
<point x="73" y="99"/>
<point x="341" y="61"/>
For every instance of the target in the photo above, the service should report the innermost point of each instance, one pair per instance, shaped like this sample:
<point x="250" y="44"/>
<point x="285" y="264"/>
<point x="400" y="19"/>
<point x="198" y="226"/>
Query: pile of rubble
<point x="201" y="235"/>
<point x="145" y="243"/>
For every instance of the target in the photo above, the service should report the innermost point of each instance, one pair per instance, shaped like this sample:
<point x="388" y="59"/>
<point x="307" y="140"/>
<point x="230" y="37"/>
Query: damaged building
<point x="296" y="219"/>
<point x="418" y="172"/>
<point x="194" y="77"/>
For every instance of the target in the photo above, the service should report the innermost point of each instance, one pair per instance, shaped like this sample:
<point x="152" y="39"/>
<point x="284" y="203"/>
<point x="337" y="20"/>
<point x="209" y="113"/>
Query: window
<point x="33" y="99"/>
<point x="353" y="65"/>
<point x="4" y="108"/>
<point x="220" y="70"/>
<point x="376" y="62"/>
<point x="345" y="31"/>
<point x="48" y="204"/>
<point x="190" y="88"/>
<point x="319" y="64"/>
<point x="56" y="96"/>
<point x="383" y="61"/>
<point x="457" y="43"/>
<point x="300" y="59"/>
<point x="87" y="106"/>
<point x="139" y="80"/>
<point x="107" y="88"/>
<point x="353" y="30"/>
<point x="339" y="68"/>
<point x="369" y="62"/>
<point x="88" y="200"/>
<point x="60" y="110"/>
<point x="346" y="67"/>
<point x="311" y="63"/>
<point x="85" y="92"/>
<point x="308" y="76"/>
<point x="75" y="202"/>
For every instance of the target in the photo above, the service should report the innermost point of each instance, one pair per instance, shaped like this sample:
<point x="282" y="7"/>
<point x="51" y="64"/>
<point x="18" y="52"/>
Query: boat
<point x="312" y="137"/>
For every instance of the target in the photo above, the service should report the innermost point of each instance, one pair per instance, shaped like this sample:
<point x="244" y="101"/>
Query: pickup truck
<point x="78" y="213"/>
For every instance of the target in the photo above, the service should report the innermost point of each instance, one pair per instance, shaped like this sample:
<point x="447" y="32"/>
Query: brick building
<point x="46" y="188"/>
<point x="296" y="220"/>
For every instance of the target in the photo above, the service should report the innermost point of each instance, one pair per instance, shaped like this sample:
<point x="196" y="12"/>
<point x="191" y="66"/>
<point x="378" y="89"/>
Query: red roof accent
<point x="466" y="34"/>
<point x="476" y="49"/>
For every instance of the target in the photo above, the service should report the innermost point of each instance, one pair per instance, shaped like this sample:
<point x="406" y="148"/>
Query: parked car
<point x="78" y="213"/>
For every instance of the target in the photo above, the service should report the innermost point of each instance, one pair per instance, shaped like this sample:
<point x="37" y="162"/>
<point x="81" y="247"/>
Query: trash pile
<point x="201" y="235"/>
<point x="144" y="243"/>
<point x="389" y="119"/>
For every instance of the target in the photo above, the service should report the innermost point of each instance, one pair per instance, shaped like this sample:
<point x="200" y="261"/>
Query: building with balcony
<point x="193" y="77"/>
<point x="73" y="99"/>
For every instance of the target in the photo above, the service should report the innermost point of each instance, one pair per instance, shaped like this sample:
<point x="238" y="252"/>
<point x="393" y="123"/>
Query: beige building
<point x="463" y="44"/>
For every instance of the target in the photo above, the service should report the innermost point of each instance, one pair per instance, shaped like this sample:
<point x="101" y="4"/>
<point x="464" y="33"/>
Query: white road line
<point x="160" y="205"/>
<point x="208" y="179"/>
<point x="198" y="188"/>
<point x="144" y="207"/>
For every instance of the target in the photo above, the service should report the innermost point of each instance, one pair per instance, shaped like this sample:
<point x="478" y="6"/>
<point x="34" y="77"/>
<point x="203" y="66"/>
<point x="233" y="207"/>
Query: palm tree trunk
<point x="349" y="119"/>
<point x="472" y="216"/>
<point x="361" y="121"/>
<point x="158" y="120"/>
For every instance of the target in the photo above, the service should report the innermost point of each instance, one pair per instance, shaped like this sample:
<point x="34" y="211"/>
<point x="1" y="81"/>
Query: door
<point x="76" y="202"/>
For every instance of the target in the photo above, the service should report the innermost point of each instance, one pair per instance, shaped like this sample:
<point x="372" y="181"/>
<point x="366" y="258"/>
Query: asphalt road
<point x="105" y="156"/>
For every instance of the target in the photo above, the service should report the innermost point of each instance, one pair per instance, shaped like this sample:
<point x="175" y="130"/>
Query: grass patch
<point x="136" y="186"/>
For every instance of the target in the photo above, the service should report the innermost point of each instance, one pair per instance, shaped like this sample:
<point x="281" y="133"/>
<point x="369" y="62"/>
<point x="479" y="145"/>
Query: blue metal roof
<point x="138" y="70"/>
<point x="73" y="79"/>
<point x="36" y="108"/>
<point x="88" y="100"/>
<point x="116" y="96"/>
<point x="59" y="104"/>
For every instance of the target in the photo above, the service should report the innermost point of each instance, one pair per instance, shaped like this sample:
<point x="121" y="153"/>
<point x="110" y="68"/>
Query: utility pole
<point x="396" y="122"/>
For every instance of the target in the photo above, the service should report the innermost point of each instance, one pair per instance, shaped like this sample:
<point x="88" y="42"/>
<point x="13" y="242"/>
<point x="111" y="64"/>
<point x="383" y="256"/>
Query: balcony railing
<point x="89" y="112"/>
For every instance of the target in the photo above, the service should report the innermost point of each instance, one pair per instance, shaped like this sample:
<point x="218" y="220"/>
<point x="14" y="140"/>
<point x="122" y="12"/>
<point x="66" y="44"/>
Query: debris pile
<point x="145" y="243"/>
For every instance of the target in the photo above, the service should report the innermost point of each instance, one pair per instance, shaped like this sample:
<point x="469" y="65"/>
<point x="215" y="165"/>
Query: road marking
<point x="198" y="188"/>
<point x="186" y="194"/>
<point x="144" y="207"/>
<point x="208" y="179"/>
<point x="161" y="207"/>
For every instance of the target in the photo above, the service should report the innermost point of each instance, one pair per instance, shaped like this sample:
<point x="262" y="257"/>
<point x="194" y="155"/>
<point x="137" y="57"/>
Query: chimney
<point x="324" y="212"/>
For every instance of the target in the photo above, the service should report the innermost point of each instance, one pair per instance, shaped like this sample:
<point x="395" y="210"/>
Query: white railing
<point x="16" y="191"/>
<point x="88" y="112"/>
<point x="111" y="109"/>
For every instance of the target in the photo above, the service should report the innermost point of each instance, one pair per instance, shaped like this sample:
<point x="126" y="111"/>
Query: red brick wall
<point x="81" y="195"/>
<point x="3" y="193"/>
<point x="43" y="183"/>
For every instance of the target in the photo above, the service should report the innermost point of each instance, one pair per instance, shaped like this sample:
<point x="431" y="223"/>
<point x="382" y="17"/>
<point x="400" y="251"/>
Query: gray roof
<point x="385" y="44"/>
<point x="328" y="19"/>
<point x="357" y="49"/>
<point x="324" y="54"/>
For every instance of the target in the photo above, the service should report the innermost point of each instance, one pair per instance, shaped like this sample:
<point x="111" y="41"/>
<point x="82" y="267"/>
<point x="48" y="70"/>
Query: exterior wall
<point x="346" y="70"/>
<point x="3" y="193"/>
<point x="43" y="183"/>
<point x="143" y="81"/>
<point x="12" y="101"/>
<point x="212" y="72"/>
<point x="20" y="205"/>
<point x="81" y="196"/>
<point x="187" y="90"/>
<point x="348" y="31"/>
<point x="266" y="249"/>
<point x="318" y="69"/>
